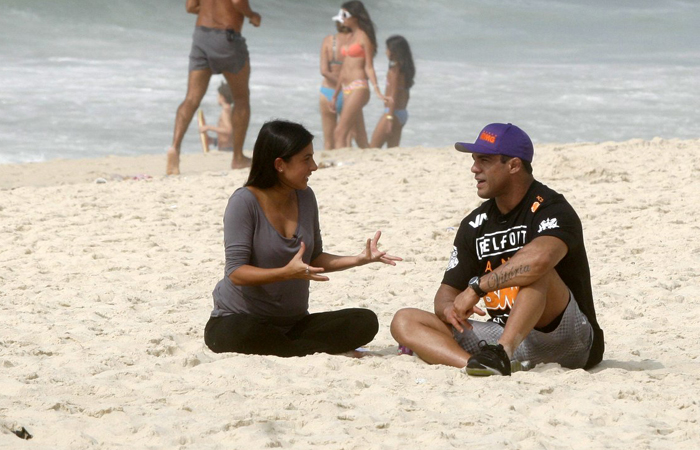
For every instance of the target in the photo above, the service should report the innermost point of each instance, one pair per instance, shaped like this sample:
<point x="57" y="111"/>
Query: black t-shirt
<point x="486" y="239"/>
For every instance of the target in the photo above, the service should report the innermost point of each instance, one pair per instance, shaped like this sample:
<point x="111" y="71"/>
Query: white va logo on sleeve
<point x="481" y="218"/>
<point x="548" y="224"/>
<point x="453" y="259"/>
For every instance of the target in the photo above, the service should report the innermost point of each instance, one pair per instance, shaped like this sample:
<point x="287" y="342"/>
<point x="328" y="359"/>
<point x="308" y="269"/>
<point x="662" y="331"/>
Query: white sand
<point x="105" y="290"/>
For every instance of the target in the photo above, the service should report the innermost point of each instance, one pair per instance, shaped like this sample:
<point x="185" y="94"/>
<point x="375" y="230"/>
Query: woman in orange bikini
<point x="357" y="67"/>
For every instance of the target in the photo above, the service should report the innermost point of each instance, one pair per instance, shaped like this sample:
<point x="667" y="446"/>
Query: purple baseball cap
<point x="500" y="139"/>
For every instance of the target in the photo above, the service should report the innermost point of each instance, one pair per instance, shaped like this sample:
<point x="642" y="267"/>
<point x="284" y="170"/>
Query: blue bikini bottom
<point x="328" y="92"/>
<point x="400" y="114"/>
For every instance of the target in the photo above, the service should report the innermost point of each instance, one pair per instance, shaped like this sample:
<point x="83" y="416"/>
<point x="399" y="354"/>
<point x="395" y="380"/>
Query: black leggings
<point x="326" y="332"/>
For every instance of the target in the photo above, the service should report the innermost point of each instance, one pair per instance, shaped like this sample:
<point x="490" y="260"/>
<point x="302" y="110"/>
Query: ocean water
<point x="90" y="78"/>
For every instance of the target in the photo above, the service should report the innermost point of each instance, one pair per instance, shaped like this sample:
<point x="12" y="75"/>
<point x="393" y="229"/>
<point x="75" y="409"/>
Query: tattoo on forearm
<point x="497" y="279"/>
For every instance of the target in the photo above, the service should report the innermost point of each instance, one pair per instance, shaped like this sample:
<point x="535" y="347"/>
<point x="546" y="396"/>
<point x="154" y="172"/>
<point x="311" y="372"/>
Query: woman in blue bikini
<point x="331" y="60"/>
<point x="399" y="80"/>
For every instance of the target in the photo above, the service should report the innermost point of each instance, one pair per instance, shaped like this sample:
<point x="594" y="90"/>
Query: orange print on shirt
<point x="502" y="299"/>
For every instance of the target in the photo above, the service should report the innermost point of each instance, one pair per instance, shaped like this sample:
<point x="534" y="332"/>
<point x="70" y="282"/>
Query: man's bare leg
<point x="536" y="305"/>
<point x="240" y="114"/>
<point x="429" y="337"/>
<point x="197" y="83"/>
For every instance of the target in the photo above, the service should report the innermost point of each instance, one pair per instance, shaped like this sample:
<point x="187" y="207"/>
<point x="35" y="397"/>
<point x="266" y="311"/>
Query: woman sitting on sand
<point x="273" y="250"/>
<point x="399" y="80"/>
<point x="357" y="67"/>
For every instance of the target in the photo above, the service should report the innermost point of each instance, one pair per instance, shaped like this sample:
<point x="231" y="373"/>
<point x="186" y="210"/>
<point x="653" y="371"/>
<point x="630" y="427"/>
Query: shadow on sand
<point x="632" y="366"/>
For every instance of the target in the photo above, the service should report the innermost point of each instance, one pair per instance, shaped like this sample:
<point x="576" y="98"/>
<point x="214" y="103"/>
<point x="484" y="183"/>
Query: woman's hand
<point x="372" y="254"/>
<point x="382" y="98"/>
<point x="298" y="269"/>
<point x="332" y="103"/>
<point x="204" y="128"/>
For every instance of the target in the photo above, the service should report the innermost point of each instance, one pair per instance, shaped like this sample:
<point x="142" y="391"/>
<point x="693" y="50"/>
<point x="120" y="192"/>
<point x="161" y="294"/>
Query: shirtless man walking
<point x="217" y="47"/>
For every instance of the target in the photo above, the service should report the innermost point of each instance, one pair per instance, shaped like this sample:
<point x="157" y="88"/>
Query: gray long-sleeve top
<point x="249" y="239"/>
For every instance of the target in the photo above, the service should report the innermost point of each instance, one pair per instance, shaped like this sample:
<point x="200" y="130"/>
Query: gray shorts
<point x="218" y="50"/>
<point x="568" y="344"/>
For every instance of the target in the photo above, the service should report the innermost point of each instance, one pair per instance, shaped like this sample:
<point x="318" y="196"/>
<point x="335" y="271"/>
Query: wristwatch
<point x="474" y="284"/>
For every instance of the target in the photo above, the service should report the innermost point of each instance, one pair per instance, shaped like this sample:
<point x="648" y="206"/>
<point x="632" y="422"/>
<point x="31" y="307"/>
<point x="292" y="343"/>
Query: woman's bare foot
<point x="173" y="166"/>
<point x="240" y="162"/>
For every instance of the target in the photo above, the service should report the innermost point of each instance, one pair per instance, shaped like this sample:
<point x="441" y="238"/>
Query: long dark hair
<point x="400" y="52"/>
<point x="225" y="92"/>
<point x="357" y="9"/>
<point x="277" y="139"/>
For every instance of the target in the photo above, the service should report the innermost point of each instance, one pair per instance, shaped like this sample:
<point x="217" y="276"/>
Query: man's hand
<point x="192" y="6"/>
<point x="464" y="307"/>
<point x="452" y="312"/>
<point x="452" y="319"/>
<point x="255" y="19"/>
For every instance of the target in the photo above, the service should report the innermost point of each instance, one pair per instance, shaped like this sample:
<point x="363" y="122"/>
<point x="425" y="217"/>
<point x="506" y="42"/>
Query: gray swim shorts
<point x="218" y="50"/>
<point x="568" y="344"/>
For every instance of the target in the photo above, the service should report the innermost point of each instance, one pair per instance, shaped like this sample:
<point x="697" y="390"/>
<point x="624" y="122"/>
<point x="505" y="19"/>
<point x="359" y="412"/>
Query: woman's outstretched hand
<point x="372" y="254"/>
<point x="300" y="270"/>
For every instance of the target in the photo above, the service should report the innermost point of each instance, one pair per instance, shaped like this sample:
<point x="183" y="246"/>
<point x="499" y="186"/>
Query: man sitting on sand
<point x="223" y="129"/>
<point x="217" y="47"/>
<point x="522" y="251"/>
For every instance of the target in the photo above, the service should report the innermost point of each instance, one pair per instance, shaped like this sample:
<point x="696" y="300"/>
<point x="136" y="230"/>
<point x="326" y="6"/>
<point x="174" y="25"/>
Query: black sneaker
<point x="491" y="360"/>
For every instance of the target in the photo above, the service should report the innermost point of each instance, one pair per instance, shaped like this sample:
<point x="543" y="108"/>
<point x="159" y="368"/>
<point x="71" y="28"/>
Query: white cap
<point x="341" y="16"/>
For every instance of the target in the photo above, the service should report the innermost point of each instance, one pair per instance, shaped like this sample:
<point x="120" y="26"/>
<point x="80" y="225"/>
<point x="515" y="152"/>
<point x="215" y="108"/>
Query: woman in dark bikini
<point x="357" y="68"/>
<point x="399" y="80"/>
